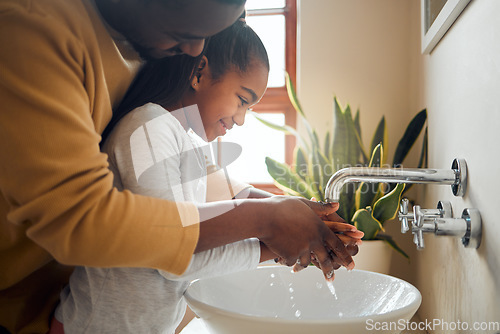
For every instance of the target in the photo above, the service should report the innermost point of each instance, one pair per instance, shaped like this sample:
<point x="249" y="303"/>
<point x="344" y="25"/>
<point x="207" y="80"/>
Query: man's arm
<point x="53" y="177"/>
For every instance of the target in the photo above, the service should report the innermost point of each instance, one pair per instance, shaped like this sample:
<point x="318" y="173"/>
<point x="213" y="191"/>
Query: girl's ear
<point x="201" y="73"/>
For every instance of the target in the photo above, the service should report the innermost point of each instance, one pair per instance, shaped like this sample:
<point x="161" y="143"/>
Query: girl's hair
<point x="164" y="81"/>
<point x="234" y="49"/>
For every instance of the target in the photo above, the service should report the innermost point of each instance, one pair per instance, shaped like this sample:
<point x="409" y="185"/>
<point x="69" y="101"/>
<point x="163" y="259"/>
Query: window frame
<point x="276" y="100"/>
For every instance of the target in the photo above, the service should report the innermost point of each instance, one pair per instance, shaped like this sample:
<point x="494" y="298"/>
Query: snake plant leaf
<point x="377" y="156"/>
<point x="390" y="241"/>
<point x="357" y="126"/>
<point x="422" y="161"/>
<point x="315" y="139"/>
<point x="346" y="200"/>
<point x="300" y="165"/>
<point x="353" y="150"/>
<point x="286" y="191"/>
<point x="387" y="206"/>
<point x="380" y="137"/>
<point x="292" y="95"/>
<point x="368" y="193"/>
<point x="345" y="148"/>
<point x="317" y="175"/>
<point x="340" y="137"/>
<point x="411" y="134"/>
<point x="357" y="123"/>
<point x="325" y="170"/>
<point x="286" y="177"/>
<point x="364" y="221"/>
<point x="326" y="147"/>
<point x="283" y="128"/>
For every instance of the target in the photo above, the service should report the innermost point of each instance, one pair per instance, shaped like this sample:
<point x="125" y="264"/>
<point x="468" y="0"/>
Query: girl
<point x="159" y="153"/>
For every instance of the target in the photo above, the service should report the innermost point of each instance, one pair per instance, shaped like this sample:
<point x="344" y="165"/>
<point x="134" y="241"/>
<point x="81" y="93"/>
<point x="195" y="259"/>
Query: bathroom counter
<point x="197" y="326"/>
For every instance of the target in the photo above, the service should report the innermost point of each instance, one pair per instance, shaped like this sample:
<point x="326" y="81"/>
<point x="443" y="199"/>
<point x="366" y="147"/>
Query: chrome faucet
<point x="456" y="177"/>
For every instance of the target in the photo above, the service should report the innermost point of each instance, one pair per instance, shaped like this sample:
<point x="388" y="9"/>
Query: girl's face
<point x="223" y="103"/>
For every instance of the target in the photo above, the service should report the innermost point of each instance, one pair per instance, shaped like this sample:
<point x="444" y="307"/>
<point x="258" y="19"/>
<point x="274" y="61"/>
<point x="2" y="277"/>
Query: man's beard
<point x="144" y="53"/>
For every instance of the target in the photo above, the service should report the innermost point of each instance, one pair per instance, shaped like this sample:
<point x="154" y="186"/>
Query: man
<point x="64" y="66"/>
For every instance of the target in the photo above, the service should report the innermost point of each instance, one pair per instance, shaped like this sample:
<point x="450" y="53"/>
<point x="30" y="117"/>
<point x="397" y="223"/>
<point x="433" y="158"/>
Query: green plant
<point x="367" y="206"/>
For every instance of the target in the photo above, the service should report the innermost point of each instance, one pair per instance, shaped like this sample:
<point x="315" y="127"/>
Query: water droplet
<point x="319" y="285"/>
<point x="297" y="313"/>
<point x="272" y="284"/>
<point x="273" y="275"/>
<point x="291" y="289"/>
<point x="291" y="298"/>
<point x="341" y="314"/>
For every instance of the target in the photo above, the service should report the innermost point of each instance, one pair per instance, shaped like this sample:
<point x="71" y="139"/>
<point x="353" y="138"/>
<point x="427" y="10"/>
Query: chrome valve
<point x="440" y="221"/>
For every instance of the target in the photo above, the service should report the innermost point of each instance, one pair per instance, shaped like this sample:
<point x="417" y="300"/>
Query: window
<point x="275" y="21"/>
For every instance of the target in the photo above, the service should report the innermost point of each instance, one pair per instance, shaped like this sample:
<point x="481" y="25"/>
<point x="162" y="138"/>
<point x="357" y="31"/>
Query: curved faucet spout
<point x="456" y="177"/>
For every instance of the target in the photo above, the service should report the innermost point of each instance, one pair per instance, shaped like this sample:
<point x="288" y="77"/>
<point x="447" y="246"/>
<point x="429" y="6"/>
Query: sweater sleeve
<point x="52" y="174"/>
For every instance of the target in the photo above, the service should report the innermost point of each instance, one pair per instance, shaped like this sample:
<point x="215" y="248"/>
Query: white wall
<point x="361" y="52"/>
<point x="462" y="89"/>
<point x="367" y="52"/>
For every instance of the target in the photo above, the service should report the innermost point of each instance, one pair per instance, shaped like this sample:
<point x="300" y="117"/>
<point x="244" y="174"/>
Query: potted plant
<point x="367" y="206"/>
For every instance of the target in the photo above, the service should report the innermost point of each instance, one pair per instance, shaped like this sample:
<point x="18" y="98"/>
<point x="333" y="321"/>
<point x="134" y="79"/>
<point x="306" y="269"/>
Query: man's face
<point x="159" y="30"/>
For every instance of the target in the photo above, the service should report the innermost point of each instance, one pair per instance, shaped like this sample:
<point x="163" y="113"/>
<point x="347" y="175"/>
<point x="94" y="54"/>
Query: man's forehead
<point x="204" y="14"/>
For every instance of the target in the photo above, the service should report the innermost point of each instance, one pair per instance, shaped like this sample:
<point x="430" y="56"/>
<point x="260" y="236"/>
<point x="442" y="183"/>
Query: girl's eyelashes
<point x="243" y="101"/>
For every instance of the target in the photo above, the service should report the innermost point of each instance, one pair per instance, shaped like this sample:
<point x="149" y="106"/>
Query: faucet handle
<point x="418" y="238"/>
<point x="422" y="220"/>
<point x="418" y="216"/>
<point x="440" y="221"/>
<point x="404" y="216"/>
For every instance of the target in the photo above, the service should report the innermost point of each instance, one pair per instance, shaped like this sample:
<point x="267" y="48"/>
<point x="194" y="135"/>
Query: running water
<point x="332" y="288"/>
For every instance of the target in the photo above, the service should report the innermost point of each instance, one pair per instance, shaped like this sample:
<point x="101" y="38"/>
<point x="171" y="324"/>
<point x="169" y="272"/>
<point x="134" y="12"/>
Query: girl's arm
<point x="291" y="227"/>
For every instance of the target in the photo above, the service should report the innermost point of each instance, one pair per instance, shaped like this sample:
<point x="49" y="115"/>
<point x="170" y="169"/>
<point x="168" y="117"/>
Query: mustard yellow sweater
<point x="61" y="73"/>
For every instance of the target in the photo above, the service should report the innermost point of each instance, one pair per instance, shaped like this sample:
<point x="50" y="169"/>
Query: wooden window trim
<point x="276" y="98"/>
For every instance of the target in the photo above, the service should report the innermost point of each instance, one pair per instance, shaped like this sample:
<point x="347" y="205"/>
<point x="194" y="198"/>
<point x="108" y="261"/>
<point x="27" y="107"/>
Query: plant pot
<point x="374" y="255"/>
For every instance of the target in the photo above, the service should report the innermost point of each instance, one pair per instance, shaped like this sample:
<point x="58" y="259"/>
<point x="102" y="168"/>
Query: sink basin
<point x="273" y="299"/>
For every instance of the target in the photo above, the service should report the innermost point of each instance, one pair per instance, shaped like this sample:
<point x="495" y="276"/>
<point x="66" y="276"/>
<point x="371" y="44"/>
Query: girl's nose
<point x="239" y="118"/>
<point x="193" y="48"/>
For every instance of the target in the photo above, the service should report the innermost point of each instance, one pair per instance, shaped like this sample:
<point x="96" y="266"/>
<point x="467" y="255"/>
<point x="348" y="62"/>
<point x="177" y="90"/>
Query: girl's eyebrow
<point x="251" y="92"/>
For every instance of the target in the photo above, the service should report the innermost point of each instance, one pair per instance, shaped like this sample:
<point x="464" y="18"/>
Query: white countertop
<point x="197" y="326"/>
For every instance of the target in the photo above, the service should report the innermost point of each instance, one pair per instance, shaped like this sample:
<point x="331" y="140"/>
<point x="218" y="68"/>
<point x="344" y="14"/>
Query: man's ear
<point x="201" y="73"/>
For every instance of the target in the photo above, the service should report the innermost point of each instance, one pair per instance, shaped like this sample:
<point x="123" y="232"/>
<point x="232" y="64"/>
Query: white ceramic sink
<point x="275" y="300"/>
